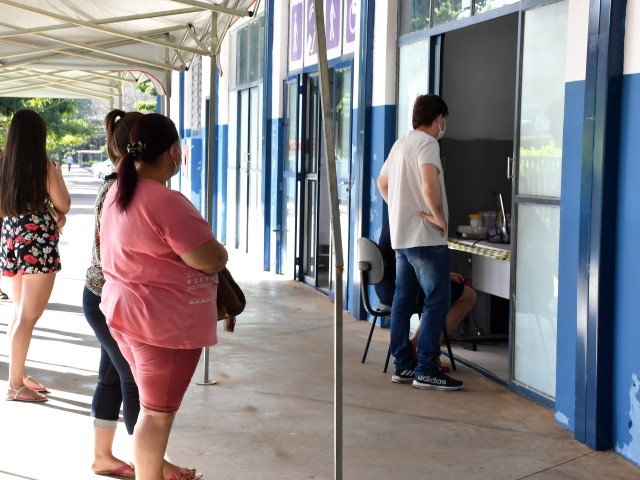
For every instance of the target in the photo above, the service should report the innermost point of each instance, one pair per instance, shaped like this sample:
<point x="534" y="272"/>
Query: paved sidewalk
<point x="270" y="415"/>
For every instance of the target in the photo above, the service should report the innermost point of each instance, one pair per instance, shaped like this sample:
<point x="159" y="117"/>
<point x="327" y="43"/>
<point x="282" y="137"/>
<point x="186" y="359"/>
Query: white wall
<point x="577" y="33"/>
<point x="632" y="39"/>
<point x="385" y="35"/>
<point x="279" y="58"/>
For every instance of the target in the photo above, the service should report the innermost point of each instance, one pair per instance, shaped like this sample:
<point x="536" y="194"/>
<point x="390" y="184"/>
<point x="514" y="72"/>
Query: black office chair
<point x="371" y="265"/>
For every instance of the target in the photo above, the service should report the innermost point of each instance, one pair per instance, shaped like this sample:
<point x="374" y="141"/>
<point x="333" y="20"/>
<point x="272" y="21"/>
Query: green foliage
<point x="67" y="127"/>
<point x="443" y="11"/>
<point x="147" y="88"/>
<point x="549" y="150"/>
<point x="146" y="106"/>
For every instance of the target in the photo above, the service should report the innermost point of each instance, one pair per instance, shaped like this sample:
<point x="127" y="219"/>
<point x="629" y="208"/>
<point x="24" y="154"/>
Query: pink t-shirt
<point x="150" y="294"/>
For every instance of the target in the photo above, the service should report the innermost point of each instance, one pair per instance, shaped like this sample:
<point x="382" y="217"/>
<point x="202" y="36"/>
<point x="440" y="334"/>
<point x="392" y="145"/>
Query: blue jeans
<point x="116" y="385"/>
<point x="420" y="270"/>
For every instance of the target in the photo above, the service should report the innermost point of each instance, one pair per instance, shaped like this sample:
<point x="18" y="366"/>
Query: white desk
<point x="490" y="265"/>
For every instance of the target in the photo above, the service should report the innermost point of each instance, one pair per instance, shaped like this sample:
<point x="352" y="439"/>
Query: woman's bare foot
<point x="174" y="472"/>
<point x="34" y="385"/>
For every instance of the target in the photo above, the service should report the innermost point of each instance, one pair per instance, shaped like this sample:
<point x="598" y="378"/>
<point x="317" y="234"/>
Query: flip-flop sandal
<point x="186" y="474"/>
<point x="36" y="385"/>
<point x="13" y="395"/>
<point x="126" y="470"/>
<point x="3" y="296"/>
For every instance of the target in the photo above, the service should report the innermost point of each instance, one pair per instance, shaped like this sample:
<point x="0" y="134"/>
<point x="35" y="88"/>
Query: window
<point x="417" y="15"/>
<point x="249" y="53"/>
<point x="414" y="15"/>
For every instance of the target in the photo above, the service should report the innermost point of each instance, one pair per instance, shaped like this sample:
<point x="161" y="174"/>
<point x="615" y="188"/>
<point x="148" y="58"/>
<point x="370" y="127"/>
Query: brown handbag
<point x="231" y="300"/>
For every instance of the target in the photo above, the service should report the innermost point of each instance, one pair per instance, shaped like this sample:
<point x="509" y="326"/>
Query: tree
<point x="66" y="120"/>
<point x="148" y="89"/>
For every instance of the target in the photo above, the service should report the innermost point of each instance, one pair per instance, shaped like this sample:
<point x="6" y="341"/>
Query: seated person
<point x="463" y="298"/>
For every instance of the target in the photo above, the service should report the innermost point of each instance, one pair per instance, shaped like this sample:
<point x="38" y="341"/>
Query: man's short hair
<point x="427" y="108"/>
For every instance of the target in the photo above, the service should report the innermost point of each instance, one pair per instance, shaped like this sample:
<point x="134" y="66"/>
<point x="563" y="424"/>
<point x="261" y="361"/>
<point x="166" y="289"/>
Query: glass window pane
<point x="413" y="81"/>
<point x="537" y="297"/>
<point x="242" y="56"/>
<point x="291" y="153"/>
<point x="414" y="16"/>
<point x="542" y="101"/>
<point x="254" y="51"/>
<point x="449" y="10"/>
<point x="486" y="5"/>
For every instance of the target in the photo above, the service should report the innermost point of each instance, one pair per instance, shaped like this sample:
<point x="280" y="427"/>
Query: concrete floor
<point x="270" y="415"/>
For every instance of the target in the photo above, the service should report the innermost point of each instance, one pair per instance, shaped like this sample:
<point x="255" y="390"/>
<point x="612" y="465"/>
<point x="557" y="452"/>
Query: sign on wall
<point x="303" y="42"/>
<point x="296" y="35"/>
<point x="351" y="25"/>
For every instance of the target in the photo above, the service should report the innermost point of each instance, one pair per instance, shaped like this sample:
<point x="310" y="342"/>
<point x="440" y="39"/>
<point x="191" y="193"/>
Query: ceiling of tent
<point x="86" y="48"/>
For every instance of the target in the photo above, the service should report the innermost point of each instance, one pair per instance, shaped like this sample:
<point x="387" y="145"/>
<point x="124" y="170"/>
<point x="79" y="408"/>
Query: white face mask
<point x="442" y="130"/>
<point x="177" y="164"/>
<point x="177" y="168"/>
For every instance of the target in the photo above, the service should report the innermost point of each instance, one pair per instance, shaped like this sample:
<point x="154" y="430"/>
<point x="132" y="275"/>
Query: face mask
<point x="442" y="130"/>
<point x="177" y="165"/>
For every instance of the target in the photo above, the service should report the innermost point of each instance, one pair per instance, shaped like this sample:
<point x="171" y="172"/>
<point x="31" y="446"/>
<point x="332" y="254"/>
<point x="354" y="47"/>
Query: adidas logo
<point x="432" y="380"/>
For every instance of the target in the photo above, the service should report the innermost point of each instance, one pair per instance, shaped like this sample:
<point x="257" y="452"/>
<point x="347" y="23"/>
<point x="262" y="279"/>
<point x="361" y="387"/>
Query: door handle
<point x="509" y="168"/>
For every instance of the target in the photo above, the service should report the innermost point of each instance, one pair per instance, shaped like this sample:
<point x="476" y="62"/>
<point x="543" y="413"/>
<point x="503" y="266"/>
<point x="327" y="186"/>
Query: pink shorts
<point x="162" y="374"/>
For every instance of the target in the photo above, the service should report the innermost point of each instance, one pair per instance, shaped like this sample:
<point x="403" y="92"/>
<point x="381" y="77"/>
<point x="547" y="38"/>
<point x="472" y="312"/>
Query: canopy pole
<point x="325" y="97"/>
<point x="209" y="207"/>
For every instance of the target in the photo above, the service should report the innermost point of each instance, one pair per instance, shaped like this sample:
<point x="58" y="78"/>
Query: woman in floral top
<point x="29" y="258"/>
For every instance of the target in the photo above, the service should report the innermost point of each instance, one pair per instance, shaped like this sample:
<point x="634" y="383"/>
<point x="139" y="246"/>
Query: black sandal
<point x="3" y="296"/>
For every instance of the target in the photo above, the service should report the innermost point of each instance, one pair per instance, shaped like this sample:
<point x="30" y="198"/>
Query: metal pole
<point x="325" y="97"/>
<point x="211" y="156"/>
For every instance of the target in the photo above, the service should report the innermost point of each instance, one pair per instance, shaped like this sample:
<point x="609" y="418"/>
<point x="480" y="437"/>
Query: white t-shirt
<point x="402" y="169"/>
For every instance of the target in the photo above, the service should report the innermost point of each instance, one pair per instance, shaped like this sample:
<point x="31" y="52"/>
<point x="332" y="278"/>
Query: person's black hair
<point x="118" y="125"/>
<point x="151" y="135"/>
<point x="24" y="166"/>
<point x="427" y="108"/>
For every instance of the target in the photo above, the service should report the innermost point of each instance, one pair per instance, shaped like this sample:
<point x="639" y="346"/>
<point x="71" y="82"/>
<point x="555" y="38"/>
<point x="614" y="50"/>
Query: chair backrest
<point x="369" y="252"/>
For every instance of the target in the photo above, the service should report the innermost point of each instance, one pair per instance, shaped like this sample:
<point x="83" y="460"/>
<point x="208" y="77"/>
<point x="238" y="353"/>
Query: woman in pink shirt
<point x="160" y="263"/>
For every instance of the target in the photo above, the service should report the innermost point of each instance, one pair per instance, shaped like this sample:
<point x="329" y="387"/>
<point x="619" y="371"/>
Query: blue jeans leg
<point x="403" y="307"/>
<point x="116" y="385"/>
<point x="420" y="270"/>
<point x="432" y="269"/>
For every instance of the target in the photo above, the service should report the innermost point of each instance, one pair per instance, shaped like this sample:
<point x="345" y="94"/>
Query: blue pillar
<point x="598" y="205"/>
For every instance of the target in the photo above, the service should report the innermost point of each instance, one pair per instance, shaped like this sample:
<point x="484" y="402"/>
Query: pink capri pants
<point x="162" y="374"/>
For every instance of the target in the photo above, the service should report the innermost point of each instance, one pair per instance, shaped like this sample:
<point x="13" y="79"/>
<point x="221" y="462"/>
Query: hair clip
<point x="115" y="120"/>
<point x="136" y="149"/>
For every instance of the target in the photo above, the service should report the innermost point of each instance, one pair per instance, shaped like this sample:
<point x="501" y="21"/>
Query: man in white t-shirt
<point x="412" y="183"/>
<point x="69" y="162"/>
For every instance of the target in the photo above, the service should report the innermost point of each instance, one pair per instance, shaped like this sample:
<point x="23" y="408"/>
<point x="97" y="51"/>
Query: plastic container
<point x="488" y="218"/>
<point x="475" y="221"/>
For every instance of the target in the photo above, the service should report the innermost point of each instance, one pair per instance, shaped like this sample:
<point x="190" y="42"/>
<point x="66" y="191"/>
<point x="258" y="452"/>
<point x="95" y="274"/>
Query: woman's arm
<point x="210" y="257"/>
<point x="57" y="189"/>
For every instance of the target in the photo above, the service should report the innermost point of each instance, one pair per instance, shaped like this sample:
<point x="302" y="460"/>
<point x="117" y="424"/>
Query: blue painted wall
<point x="383" y="128"/>
<point x="626" y="325"/>
<point x="197" y="171"/>
<point x="568" y="261"/>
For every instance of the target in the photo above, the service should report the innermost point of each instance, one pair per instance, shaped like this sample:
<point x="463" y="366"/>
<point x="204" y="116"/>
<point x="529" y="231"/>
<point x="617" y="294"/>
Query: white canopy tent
<point x="88" y="49"/>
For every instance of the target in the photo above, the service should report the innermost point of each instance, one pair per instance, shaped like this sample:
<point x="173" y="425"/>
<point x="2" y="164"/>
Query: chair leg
<point x="448" y="344"/>
<point x="386" y="363"/>
<point x="366" y="348"/>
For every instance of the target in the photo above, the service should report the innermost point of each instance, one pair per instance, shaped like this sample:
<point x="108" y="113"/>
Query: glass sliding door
<point x="315" y="253"/>
<point x="249" y="233"/>
<point x="289" y="185"/>
<point x="537" y="198"/>
<point x="342" y="138"/>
